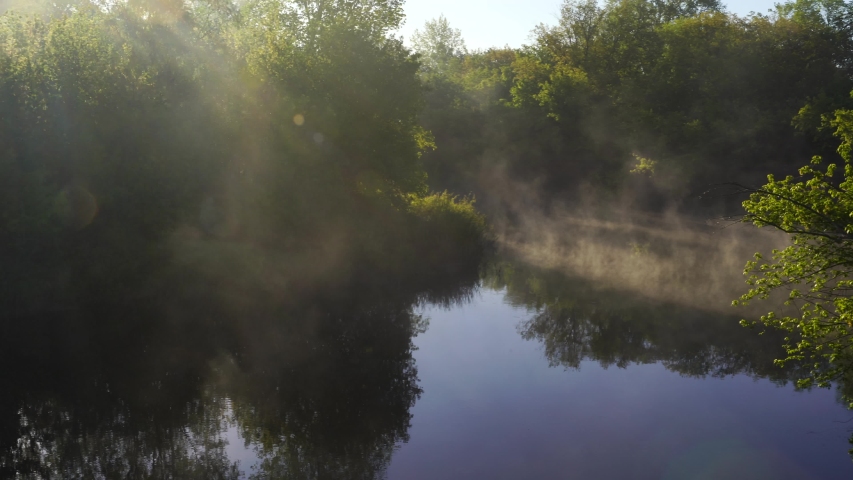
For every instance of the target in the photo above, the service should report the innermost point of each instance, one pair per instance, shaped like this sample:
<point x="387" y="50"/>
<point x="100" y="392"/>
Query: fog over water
<point x="664" y="258"/>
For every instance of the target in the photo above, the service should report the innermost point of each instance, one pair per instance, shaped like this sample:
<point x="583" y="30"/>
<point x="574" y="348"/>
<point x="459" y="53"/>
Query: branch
<point x="745" y="189"/>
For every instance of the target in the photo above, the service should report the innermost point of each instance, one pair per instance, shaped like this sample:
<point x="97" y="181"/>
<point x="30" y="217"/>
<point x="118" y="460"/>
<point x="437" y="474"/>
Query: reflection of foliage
<point x="92" y="399"/>
<point x="576" y="321"/>
<point x="55" y="442"/>
<point x="338" y="410"/>
<point x="320" y="386"/>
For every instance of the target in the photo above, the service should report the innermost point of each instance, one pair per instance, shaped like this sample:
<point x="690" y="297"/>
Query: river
<point x="528" y="372"/>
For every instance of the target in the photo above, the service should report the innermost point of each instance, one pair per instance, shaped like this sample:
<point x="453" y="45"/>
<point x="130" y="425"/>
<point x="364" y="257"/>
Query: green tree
<point x="306" y="21"/>
<point x="279" y="123"/>
<point x="816" y="270"/>
<point x="438" y="44"/>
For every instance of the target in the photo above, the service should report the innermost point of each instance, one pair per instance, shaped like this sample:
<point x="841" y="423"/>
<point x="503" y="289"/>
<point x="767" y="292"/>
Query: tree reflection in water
<point x="576" y="321"/>
<point x="318" y="382"/>
<point x="319" y="388"/>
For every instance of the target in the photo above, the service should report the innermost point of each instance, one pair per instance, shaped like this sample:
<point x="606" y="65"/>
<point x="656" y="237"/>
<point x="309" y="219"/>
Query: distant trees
<point x="438" y="44"/>
<point x="307" y="22"/>
<point x="709" y="96"/>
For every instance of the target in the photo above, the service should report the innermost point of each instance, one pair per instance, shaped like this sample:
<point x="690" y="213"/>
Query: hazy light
<point x="77" y="207"/>
<point x="299" y="119"/>
<point x="318" y="138"/>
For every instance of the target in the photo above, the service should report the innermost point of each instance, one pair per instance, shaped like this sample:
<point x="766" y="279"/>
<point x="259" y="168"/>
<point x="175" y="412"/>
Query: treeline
<point x="278" y="125"/>
<point x="648" y="102"/>
<point x="647" y="105"/>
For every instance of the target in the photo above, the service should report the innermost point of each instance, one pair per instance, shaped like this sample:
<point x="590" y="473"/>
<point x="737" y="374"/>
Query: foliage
<point x="318" y="384"/>
<point x="816" y="268"/>
<point x="449" y="227"/>
<point x="106" y="108"/>
<point x="308" y="22"/>
<point x="644" y="166"/>
<point x="707" y="94"/>
<point x="438" y="44"/>
<point x="277" y="123"/>
<point x="443" y="206"/>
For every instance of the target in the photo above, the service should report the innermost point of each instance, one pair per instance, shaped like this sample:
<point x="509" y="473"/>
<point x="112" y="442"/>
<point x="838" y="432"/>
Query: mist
<point x="667" y="258"/>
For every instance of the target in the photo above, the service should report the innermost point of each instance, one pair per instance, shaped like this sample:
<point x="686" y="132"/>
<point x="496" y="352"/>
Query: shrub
<point x="449" y="230"/>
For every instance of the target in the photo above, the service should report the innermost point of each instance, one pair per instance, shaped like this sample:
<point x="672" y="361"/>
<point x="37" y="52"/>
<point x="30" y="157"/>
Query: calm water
<point x="493" y="408"/>
<point x="532" y="374"/>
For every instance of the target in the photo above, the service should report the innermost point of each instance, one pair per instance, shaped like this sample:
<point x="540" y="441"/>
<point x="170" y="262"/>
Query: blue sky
<point x="490" y="23"/>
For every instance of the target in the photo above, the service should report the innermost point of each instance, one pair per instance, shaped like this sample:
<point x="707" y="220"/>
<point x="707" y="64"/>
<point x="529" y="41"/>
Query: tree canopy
<point x="274" y="122"/>
<point x="709" y="96"/>
<point x="438" y="44"/>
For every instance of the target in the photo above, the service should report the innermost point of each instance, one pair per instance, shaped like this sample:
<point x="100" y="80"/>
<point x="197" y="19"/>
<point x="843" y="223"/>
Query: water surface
<point x="524" y="373"/>
<point x="493" y="408"/>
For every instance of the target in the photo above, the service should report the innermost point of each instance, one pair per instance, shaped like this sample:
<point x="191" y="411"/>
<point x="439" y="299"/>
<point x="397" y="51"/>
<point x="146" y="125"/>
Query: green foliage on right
<point x="816" y="270"/>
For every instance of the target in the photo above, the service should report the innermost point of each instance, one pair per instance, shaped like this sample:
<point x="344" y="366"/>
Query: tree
<point x="813" y="11"/>
<point x="308" y="20"/>
<point x="438" y="44"/>
<point x="580" y="23"/>
<point x="816" y="269"/>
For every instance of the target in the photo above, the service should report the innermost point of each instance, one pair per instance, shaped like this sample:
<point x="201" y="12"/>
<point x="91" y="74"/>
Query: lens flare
<point x="299" y="119"/>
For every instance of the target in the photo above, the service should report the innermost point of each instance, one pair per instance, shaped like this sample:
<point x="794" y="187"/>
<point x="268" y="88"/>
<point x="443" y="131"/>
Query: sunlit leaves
<point x="438" y="44"/>
<point x="816" y="269"/>
<point x="308" y="21"/>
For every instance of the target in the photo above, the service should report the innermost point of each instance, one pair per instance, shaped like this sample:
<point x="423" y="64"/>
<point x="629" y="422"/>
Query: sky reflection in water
<point x="492" y="408"/>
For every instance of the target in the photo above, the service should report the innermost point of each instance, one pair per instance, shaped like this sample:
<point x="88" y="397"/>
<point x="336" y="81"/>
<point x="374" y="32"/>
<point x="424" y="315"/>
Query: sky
<point x="496" y="23"/>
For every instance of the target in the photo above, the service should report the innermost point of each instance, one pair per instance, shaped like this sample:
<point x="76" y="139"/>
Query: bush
<point x="448" y="230"/>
